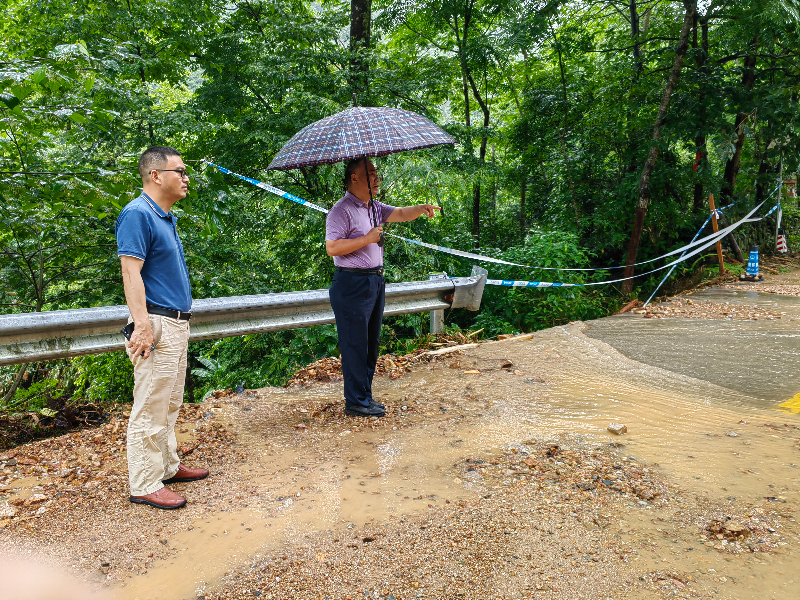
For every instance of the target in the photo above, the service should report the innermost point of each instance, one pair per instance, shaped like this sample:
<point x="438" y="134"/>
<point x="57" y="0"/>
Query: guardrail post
<point x="437" y="321"/>
<point x="437" y="316"/>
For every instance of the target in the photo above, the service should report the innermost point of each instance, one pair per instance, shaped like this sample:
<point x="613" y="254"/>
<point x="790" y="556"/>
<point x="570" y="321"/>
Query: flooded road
<point x="493" y="475"/>
<point x="760" y="359"/>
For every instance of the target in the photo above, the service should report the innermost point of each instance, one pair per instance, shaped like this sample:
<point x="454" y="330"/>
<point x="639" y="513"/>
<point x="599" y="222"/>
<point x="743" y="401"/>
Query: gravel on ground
<point x="67" y="497"/>
<point x="554" y="520"/>
<point x="550" y="526"/>
<point x="686" y="308"/>
<point x="785" y="290"/>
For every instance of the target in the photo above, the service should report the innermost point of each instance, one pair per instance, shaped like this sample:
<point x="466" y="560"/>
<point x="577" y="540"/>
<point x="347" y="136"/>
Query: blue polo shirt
<point x="146" y="232"/>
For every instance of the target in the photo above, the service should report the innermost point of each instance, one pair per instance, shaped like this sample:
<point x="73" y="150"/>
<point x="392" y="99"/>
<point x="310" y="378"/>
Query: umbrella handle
<point x="375" y="220"/>
<point x="371" y="201"/>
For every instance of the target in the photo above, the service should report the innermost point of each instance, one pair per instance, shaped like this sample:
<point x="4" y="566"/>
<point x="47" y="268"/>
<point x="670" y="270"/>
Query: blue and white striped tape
<point x="696" y="246"/>
<point x="713" y="240"/>
<point x="533" y="284"/>
<point x="772" y="210"/>
<point x="718" y="213"/>
<point x="271" y="189"/>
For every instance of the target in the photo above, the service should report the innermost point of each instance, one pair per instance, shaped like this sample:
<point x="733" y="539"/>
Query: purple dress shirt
<point x="349" y="219"/>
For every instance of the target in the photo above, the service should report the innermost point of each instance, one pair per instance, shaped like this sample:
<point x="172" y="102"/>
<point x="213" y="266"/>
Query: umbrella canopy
<point x="356" y="132"/>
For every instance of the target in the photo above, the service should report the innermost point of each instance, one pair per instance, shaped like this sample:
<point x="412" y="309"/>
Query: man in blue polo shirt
<point x="159" y="298"/>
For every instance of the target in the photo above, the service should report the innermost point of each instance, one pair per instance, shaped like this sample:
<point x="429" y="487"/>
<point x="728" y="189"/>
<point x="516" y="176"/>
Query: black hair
<point x="155" y="157"/>
<point x="351" y="167"/>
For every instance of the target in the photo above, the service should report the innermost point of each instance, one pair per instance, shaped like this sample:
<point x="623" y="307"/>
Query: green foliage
<point x="103" y="378"/>
<point x="550" y="102"/>
<point x="35" y="397"/>
<point x="55" y="231"/>
<point x="261" y="359"/>
<point x="507" y="310"/>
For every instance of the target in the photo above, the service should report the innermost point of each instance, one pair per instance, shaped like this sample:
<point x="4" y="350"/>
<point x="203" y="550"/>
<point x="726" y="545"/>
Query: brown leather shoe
<point x="164" y="498"/>
<point x="185" y="474"/>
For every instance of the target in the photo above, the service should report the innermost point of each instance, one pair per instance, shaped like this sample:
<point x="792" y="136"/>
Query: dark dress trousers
<point x="357" y="300"/>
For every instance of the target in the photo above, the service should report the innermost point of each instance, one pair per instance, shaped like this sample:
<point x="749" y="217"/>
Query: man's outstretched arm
<point x="409" y="213"/>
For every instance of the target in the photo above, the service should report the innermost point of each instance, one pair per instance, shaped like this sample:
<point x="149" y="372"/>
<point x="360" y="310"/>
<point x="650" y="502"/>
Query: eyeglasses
<point x="181" y="172"/>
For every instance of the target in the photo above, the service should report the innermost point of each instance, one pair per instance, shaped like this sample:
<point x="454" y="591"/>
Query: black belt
<point x="377" y="271"/>
<point x="167" y="312"/>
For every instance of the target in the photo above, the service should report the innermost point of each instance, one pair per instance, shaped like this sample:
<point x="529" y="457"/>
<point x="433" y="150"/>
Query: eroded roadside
<point x="486" y="479"/>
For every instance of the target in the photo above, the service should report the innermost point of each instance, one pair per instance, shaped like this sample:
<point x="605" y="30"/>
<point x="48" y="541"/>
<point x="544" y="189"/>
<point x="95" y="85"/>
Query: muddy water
<point x="297" y="488"/>
<point x="760" y="358"/>
<point x="707" y="439"/>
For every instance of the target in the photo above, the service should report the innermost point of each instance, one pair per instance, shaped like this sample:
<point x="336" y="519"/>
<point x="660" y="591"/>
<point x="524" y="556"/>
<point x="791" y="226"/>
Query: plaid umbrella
<point x="356" y="132"/>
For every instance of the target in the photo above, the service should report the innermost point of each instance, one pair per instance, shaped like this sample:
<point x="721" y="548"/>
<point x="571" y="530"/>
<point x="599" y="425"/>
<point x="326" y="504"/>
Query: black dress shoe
<point x="378" y="404"/>
<point x="373" y="410"/>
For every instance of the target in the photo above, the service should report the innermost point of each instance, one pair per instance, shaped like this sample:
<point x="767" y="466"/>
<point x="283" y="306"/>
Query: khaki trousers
<point x="157" y="399"/>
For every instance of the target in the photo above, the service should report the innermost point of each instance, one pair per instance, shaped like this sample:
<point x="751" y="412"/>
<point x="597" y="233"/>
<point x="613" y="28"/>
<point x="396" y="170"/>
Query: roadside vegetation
<point x="587" y="133"/>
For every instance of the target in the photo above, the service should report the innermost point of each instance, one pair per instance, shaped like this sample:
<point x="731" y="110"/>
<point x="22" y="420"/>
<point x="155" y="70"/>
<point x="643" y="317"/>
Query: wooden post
<point x="716" y="230"/>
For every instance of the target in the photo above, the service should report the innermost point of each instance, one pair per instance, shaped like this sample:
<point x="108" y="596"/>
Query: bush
<point x="261" y="359"/>
<point x="103" y="377"/>
<point x="35" y="397"/>
<point x="514" y="309"/>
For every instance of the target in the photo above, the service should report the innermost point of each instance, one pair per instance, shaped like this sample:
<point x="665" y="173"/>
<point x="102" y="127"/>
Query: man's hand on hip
<point x="142" y="340"/>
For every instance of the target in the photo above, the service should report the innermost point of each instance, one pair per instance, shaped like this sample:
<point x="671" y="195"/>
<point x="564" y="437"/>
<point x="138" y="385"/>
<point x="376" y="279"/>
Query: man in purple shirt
<point x="357" y="293"/>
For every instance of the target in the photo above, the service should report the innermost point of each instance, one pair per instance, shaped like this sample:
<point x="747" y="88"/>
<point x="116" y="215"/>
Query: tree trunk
<point x="494" y="197"/>
<point x="637" y="49"/>
<point x="476" y="190"/>
<point x="732" y="166"/>
<point x="522" y="221"/>
<point x="14" y="385"/>
<point x="360" y="22"/>
<point x="698" y="200"/>
<point x="564" y="130"/>
<point x="649" y="165"/>
<point x="633" y="136"/>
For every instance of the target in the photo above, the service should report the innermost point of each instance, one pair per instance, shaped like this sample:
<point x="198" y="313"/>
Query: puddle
<point x="760" y="359"/>
<point x="354" y="477"/>
<point x="702" y="432"/>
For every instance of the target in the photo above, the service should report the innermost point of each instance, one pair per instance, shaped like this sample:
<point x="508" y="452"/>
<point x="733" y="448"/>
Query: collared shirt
<point x="146" y="232"/>
<point x="349" y="219"/>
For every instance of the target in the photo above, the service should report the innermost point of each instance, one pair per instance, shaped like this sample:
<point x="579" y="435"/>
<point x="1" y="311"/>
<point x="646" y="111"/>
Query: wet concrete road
<point x="760" y="359"/>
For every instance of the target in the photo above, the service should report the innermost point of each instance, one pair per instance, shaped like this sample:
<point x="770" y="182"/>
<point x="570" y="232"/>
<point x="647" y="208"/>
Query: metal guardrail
<point x="57" y="334"/>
